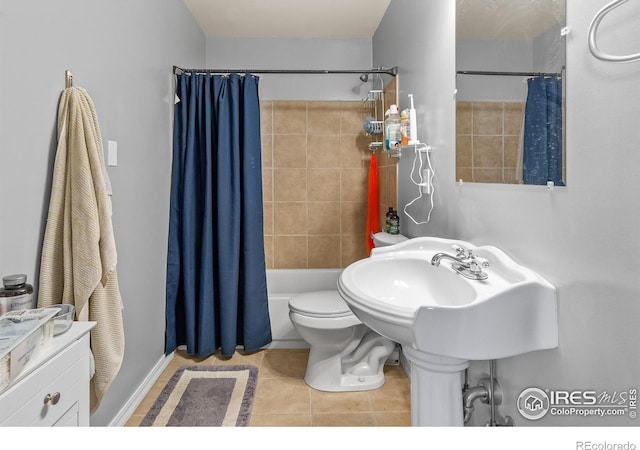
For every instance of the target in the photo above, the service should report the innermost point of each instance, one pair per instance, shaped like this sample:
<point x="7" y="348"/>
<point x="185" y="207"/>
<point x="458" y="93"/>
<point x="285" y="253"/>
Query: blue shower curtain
<point x="542" y="144"/>
<point x="216" y="289"/>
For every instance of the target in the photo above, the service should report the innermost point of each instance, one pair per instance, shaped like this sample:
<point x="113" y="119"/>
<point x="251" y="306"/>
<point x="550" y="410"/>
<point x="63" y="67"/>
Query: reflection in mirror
<point x="510" y="60"/>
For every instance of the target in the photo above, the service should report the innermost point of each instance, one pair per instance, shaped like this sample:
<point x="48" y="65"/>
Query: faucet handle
<point x="461" y="252"/>
<point x="477" y="264"/>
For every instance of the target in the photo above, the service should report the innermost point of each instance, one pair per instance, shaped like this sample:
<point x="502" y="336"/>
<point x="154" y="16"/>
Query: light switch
<point x="112" y="153"/>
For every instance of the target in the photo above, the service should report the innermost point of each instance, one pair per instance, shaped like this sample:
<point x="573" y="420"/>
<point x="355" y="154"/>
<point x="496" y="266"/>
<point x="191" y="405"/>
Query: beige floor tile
<point x="149" y="399"/>
<point x="283" y="399"/>
<point x="343" y="420"/>
<point x="238" y="358"/>
<point x="394" y="395"/>
<point x="391" y="371"/>
<point x="339" y="402"/>
<point x="392" y="419"/>
<point x="280" y="420"/>
<point x="284" y="363"/>
<point x="135" y="420"/>
<point x="281" y="396"/>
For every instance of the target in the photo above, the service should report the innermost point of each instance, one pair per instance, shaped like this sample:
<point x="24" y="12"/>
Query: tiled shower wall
<point x="315" y="177"/>
<point x="487" y="136"/>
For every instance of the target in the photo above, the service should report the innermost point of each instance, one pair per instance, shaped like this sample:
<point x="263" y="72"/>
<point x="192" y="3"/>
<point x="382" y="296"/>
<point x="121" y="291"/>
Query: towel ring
<point x="593" y="46"/>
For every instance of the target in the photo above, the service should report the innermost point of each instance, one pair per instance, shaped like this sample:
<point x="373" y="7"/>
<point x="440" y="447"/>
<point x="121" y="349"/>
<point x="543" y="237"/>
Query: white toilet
<point x="344" y="355"/>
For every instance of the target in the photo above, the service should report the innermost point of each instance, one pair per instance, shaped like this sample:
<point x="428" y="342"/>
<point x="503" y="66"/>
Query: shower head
<point x="364" y="77"/>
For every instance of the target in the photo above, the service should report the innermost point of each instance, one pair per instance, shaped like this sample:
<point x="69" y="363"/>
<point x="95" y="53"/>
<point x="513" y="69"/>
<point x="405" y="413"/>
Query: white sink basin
<point x="442" y="318"/>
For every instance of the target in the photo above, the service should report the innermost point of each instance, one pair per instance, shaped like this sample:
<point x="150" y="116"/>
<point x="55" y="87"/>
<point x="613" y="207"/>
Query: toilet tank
<point x="384" y="239"/>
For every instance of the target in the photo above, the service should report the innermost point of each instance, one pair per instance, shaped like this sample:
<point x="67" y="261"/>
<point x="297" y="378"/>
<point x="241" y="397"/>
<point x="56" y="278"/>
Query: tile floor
<point x="284" y="400"/>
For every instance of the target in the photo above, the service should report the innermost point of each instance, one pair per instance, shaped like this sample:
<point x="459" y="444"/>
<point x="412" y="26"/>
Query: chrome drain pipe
<point x="489" y="392"/>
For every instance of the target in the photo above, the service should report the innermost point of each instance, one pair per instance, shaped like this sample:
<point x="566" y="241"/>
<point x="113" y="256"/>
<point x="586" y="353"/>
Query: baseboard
<point x="134" y="401"/>
<point x="284" y="344"/>
<point x="406" y="365"/>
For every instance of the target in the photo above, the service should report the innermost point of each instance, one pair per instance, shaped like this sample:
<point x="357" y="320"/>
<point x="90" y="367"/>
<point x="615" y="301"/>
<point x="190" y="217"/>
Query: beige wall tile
<point x="354" y="151"/>
<point x="463" y="117"/>
<point x="323" y="151"/>
<point x="513" y="114"/>
<point x="266" y="117"/>
<point x="354" y="217"/>
<point x="354" y="184"/>
<point x="289" y="117"/>
<point x="290" y="218"/>
<point x="323" y="185"/>
<point x="328" y="180"/>
<point x="290" y="252"/>
<point x="323" y="117"/>
<point x="489" y="154"/>
<point x="353" y="115"/>
<point x="390" y="188"/>
<point x="268" y="251"/>
<point x="464" y="174"/>
<point x="487" y="118"/>
<point x="487" y="151"/>
<point x="289" y="185"/>
<point x="353" y="248"/>
<point x="511" y="150"/>
<point x="266" y="142"/>
<point x="290" y="151"/>
<point x="323" y="218"/>
<point x="483" y="175"/>
<point x="267" y="184"/>
<point x="324" y="252"/>
<point x="267" y="211"/>
<point x="464" y="151"/>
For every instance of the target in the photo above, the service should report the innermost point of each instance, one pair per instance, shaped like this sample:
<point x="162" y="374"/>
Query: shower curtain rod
<point x="516" y="74"/>
<point x="393" y="71"/>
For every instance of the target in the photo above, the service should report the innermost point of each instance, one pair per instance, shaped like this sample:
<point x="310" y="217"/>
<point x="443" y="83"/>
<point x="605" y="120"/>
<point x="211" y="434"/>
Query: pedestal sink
<point x="443" y="319"/>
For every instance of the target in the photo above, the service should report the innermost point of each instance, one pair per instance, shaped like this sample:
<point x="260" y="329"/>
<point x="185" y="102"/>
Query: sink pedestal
<point x="436" y="389"/>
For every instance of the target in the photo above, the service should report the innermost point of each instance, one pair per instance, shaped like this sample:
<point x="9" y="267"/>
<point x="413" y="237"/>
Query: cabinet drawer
<point x="65" y="377"/>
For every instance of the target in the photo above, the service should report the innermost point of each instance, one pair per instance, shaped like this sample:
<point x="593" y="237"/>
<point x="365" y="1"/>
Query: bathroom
<point x="582" y="237"/>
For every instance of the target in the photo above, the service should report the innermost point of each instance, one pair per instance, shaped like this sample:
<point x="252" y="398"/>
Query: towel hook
<point x="68" y="79"/>
<point x="593" y="47"/>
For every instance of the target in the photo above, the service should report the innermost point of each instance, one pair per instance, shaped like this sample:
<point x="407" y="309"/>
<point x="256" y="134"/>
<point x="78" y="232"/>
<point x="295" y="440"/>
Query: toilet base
<point x="355" y="369"/>
<point x="324" y="374"/>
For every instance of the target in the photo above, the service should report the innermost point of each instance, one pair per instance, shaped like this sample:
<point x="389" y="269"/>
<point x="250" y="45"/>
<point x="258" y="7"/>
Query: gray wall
<point x="497" y="55"/>
<point x="296" y="53"/>
<point x="122" y="52"/>
<point x="582" y="238"/>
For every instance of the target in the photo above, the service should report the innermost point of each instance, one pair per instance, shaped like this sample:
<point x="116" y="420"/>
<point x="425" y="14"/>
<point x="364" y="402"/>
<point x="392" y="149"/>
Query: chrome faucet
<point x="438" y="256"/>
<point x="465" y="263"/>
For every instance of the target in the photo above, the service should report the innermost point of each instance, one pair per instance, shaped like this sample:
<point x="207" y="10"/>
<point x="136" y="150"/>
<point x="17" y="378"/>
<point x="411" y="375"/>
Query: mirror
<point x="510" y="60"/>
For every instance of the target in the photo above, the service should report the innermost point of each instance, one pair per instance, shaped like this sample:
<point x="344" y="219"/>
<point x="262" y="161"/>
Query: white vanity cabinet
<point x="53" y="390"/>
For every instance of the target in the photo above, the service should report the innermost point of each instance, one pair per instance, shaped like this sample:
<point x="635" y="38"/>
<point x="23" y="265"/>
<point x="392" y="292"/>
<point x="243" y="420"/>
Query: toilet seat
<point x="344" y="355"/>
<point x="321" y="304"/>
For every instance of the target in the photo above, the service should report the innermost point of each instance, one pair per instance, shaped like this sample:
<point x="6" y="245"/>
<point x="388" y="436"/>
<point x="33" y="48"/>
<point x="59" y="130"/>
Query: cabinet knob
<point x="53" y="398"/>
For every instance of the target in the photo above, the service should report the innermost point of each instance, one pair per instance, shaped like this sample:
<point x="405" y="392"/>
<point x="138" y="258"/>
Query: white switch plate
<point x="112" y="153"/>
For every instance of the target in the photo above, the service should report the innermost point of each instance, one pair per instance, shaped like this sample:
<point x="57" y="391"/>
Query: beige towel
<point x="79" y="258"/>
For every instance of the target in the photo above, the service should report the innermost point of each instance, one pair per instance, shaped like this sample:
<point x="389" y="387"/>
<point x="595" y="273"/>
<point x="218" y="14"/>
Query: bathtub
<point x="282" y="284"/>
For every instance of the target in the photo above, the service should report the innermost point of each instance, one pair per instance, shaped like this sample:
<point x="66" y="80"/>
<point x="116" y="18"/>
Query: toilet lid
<point x="320" y="304"/>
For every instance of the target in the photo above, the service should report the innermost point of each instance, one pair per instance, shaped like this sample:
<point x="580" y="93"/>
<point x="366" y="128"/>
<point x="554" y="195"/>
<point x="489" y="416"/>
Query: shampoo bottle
<point x="392" y="124"/>
<point x="394" y="223"/>
<point x="388" y="222"/>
